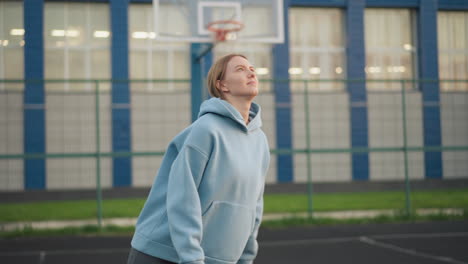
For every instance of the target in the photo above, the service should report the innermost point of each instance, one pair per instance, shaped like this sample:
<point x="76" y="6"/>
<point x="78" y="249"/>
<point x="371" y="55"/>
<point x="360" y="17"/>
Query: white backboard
<point x="187" y="20"/>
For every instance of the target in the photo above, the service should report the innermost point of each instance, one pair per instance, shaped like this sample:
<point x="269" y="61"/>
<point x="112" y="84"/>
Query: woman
<point x="206" y="204"/>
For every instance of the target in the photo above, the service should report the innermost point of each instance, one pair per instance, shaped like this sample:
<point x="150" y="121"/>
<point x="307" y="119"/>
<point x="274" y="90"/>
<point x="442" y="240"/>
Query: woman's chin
<point x="249" y="93"/>
<point x="254" y="90"/>
<point x="253" y="93"/>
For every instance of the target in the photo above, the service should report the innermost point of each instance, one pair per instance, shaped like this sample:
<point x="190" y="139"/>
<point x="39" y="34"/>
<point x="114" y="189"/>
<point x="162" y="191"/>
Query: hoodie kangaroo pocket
<point x="226" y="229"/>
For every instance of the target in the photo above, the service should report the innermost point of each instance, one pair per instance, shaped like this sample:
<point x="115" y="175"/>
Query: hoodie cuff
<point x="195" y="262"/>
<point x="244" y="261"/>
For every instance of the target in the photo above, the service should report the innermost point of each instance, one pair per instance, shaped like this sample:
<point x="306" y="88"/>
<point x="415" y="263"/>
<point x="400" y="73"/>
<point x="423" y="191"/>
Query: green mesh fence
<point x="78" y="131"/>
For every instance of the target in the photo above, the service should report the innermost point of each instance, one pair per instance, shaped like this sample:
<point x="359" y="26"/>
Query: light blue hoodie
<point x="206" y="204"/>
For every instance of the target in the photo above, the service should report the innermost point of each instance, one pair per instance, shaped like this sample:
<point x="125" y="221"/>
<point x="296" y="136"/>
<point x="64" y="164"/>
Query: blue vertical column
<point x="201" y="57"/>
<point x="428" y="70"/>
<point x="196" y="80"/>
<point x="34" y="98"/>
<point x="355" y="63"/>
<point x="121" y="129"/>
<point x="206" y="65"/>
<point x="199" y="69"/>
<point x="282" y="91"/>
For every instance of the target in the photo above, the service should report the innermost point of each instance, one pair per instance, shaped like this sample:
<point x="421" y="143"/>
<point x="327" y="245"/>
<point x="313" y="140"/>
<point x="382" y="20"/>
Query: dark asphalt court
<point x="421" y="243"/>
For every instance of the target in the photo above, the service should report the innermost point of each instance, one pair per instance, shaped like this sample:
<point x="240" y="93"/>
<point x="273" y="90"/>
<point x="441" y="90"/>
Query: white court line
<point x="307" y="241"/>
<point x="433" y="235"/>
<point x="349" y="239"/>
<point x="372" y="242"/>
<point x="42" y="253"/>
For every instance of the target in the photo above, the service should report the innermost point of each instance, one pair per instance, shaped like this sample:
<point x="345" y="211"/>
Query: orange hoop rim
<point x="220" y="33"/>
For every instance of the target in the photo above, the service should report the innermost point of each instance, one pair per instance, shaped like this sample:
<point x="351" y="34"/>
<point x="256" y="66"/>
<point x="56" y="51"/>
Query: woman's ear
<point x="221" y="86"/>
<point x="218" y="87"/>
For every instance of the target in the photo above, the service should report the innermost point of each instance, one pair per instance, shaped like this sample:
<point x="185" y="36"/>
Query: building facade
<point x="347" y="62"/>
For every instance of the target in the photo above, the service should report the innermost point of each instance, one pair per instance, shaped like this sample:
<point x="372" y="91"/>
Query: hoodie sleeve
<point x="183" y="204"/>
<point x="251" y="249"/>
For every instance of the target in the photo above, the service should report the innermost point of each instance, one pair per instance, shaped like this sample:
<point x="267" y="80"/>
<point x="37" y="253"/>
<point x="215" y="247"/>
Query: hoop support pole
<point x="208" y="48"/>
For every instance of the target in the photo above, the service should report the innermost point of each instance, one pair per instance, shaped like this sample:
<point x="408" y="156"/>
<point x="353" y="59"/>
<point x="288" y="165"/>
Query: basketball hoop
<point x="222" y="28"/>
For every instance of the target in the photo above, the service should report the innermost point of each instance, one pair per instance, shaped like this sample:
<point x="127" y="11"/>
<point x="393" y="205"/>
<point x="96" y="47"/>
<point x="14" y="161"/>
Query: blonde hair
<point x="217" y="73"/>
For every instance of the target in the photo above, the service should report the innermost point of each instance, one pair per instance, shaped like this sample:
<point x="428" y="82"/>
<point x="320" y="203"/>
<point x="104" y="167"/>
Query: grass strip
<point x="274" y="203"/>
<point x="110" y="230"/>
<point x="397" y="218"/>
<point x="92" y="230"/>
<point x="69" y="210"/>
<point x="292" y="203"/>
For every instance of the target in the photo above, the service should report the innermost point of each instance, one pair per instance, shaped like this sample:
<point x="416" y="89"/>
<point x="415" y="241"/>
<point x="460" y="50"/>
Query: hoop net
<point x="222" y="29"/>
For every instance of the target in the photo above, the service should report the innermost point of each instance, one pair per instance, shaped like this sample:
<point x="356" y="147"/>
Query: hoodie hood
<point x="223" y="108"/>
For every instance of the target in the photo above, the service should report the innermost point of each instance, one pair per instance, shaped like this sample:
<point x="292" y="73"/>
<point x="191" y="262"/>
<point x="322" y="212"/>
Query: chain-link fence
<point x="78" y="131"/>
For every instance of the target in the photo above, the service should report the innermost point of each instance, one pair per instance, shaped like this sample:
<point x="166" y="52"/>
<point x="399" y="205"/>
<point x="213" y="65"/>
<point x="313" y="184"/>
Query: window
<point x="77" y="43"/>
<point x="150" y="59"/>
<point x="453" y="49"/>
<point x="317" y="47"/>
<point x="11" y="42"/>
<point x="390" y="47"/>
<point x="11" y="94"/>
<point x="160" y="108"/>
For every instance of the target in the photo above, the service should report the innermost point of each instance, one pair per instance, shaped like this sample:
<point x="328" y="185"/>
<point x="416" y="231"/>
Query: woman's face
<point x="240" y="79"/>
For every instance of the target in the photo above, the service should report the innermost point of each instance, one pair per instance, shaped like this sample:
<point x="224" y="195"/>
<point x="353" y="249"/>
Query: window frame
<point x="305" y="52"/>
<point x="413" y="17"/>
<point x="87" y="47"/>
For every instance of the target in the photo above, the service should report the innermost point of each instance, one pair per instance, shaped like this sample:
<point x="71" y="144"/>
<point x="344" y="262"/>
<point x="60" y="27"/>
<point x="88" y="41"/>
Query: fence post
<point x="98" y="156"/>
<point x="310" y="208"/>
<point x="405" y="149"/>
